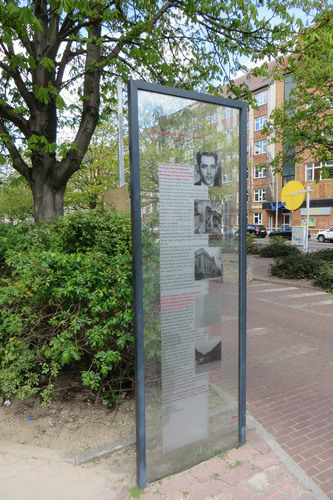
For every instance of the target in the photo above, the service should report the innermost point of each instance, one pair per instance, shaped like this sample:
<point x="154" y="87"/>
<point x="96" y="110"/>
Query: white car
<point x="327" y="234"/>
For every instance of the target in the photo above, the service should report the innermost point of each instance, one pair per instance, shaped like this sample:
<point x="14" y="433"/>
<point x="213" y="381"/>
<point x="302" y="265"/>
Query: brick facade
<point x="259" y="210"/>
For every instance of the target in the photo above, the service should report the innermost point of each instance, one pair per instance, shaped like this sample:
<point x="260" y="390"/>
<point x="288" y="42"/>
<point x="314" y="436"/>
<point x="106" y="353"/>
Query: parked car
<point x="284" y="232"/>
<point x="257" y="229"/>
<point x="327" y="234"/>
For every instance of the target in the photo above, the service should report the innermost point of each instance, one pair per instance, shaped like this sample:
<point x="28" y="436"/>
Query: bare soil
<point x="72" y="423"/>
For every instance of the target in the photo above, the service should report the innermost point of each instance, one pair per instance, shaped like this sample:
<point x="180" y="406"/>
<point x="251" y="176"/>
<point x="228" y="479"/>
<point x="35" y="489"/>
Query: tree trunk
<point x="48" y="201"/>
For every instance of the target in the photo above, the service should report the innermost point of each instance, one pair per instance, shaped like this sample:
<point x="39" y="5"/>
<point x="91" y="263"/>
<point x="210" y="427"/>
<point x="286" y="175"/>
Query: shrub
<point x="297" y="266"/>
<point x="278" y="247"/>
<point x="66" y="304"/>
<point x="251" y="245"/>
<point x="316" y="266"/>
<point x="325" y="277"/>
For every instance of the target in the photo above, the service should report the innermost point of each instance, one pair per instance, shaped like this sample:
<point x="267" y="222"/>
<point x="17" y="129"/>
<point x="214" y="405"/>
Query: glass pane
<point x="190" y="277"/>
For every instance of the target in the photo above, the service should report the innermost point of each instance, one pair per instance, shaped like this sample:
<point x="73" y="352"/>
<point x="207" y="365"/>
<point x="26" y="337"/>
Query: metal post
<point x="306" y="240"/>
<point x="276" y="202"/>
<point x="121" y="175"/>
<point x="242" y="282"/>
<point x="138" y="286"/>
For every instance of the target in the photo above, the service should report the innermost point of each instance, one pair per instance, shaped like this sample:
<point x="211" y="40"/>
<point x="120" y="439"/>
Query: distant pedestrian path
<point x="290" y="370"/>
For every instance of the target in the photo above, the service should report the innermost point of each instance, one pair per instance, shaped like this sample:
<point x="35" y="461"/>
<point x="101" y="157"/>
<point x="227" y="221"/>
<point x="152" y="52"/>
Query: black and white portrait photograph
<point x="207" y="217"/>
<point x="208" y="355"/>
<point x="207" y="169"/>
<point x="207" y="263"/>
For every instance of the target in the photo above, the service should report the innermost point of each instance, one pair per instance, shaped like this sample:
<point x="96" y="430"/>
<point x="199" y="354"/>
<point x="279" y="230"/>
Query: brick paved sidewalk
<point x="253" y="472"/>
<point x="290" y="369"/>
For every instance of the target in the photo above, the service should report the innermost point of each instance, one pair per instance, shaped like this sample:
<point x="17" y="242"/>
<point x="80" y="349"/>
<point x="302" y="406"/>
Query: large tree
<point x="60" y="59"/>
<point x="305" y="123"/>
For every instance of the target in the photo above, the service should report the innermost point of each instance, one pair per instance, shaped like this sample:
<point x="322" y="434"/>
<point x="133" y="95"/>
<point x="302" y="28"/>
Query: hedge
<point x="66" y="305"/>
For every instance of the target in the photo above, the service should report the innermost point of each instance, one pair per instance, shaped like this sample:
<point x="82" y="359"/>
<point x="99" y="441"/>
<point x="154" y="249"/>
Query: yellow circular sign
<point x="292" y="195"/>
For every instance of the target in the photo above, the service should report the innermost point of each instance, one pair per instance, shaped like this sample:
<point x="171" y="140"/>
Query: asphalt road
<point x="314" y="244"/>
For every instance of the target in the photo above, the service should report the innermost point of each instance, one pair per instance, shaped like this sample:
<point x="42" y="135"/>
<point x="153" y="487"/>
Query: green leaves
<point x="43" y="94"/>
<point x="305" y="122"/>
<point x="47" y="63"/>
<point x="66" y="303"/>
<point x="21" y="18"/>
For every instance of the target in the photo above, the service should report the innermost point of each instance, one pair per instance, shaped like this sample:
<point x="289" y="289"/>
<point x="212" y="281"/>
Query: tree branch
<point x="8" y="113"/>
<point x="135" y="33"/>
<point x="15" y="75"/>
<point x="18" y="162"/>
<point x="90" y="111"/>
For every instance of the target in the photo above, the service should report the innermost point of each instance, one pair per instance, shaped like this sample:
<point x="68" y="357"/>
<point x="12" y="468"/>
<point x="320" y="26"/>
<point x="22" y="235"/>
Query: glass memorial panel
<point x="189" y="166"/>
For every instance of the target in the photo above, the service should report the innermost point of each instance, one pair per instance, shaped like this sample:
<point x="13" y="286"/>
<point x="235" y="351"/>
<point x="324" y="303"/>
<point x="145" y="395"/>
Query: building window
<point x="261" y="98"/>
<point x="313" y="171"/>
<point x="257" y="217"/>
<point x="259" y="173"/>
<point x="287" y="178"/>
<point x="259" y="194"/>
<point x="286" y="220"/>
<point x="260" y="122"/>
<point x="260" y="147"/>
<point x="227" y="112"/>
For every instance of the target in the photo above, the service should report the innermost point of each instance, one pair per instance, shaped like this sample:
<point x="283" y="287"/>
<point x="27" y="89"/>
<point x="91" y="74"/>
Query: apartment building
<point x="264" y="187"/>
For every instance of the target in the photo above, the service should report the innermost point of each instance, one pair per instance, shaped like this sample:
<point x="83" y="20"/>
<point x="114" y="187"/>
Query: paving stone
<point x="238" y="474"/>
<point x="207" y="490"/>
<point x="246" y="453"/>
<point x="242" y="491"/>
<point x="259" y="481"/>
<point x="175" y="485"/>
<point x="204" y="472"/>
<point x="266" y="461"/>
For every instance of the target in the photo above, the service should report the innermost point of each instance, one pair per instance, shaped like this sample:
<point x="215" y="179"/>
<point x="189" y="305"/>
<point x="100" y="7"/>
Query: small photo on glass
<point x="207" y="263"/>
<point x="208" y="355"/>
<point x="207" y="169"/>
<point x="207" y="217"/>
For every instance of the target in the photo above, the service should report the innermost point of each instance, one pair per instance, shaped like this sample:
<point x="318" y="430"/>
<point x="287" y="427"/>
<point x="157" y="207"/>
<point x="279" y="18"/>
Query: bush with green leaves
<point x="251" y="246"/>
<point x="278" y="247"/>
<point x="324" y="278"/>
<point x="66" y="305"/>
<point x="315" y="265"/>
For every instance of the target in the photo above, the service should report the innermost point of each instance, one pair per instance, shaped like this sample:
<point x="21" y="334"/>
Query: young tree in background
<point x="305" y="123"/>
<point x="98" y="171"/>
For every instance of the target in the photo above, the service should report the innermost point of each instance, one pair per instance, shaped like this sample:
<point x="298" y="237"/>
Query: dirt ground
<point x="72" y="423"/>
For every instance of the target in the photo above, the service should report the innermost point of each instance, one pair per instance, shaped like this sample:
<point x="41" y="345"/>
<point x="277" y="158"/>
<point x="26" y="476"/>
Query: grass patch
<point x="222" y="454"/>
<point x="135" y="492"/>
<point x="235" y="464"/>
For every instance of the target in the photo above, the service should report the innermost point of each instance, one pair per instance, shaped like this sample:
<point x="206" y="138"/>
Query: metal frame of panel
<point x="133" y="88"/>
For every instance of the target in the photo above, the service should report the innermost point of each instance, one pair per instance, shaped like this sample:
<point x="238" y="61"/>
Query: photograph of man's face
<point x="207" y="168"/>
